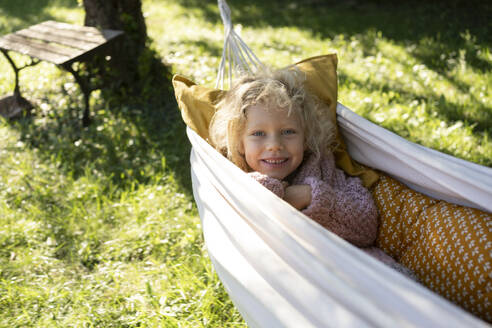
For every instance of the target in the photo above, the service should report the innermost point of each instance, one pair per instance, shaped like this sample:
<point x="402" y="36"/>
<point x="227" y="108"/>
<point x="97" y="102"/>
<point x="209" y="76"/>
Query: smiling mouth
<point x="275" y="161"/>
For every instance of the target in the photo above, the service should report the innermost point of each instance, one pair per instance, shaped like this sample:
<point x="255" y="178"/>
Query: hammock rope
<point x="237" y="57"/>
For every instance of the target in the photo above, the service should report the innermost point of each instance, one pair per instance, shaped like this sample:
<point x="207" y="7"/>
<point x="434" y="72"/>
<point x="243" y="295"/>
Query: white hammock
<point x="283" y="270"/>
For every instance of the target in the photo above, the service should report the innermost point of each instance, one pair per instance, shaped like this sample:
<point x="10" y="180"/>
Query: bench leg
<point x="16" y="72"/>
<point x="20" y="103"/>
<point x="86" y="91"/>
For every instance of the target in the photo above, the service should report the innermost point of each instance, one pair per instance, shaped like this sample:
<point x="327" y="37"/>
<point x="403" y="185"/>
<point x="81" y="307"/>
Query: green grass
<point x="98" y="224"/>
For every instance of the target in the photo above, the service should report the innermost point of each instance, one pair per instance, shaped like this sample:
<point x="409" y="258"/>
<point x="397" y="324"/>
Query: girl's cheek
<point x="256" y="143"/>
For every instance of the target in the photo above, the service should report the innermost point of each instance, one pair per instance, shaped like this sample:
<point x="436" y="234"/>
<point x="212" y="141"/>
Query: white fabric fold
<point x="428" y="171"/>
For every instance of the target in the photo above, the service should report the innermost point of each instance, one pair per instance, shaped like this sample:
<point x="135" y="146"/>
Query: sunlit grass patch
<point x="445" y="110"/>
<point x="188" y="42"/>
<point x="77" y="249"/>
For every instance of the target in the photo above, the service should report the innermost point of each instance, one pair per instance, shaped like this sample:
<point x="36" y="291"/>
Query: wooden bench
<point x="61" y="44"/>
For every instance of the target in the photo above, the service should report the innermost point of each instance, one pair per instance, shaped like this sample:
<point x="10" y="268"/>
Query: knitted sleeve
<point x="339" y="203"/>
<point x="274" y="185"/>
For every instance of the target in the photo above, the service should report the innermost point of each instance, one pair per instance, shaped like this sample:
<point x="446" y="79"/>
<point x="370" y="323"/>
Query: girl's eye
<point x="258" y="133"/>
<point x="289" y="132"/>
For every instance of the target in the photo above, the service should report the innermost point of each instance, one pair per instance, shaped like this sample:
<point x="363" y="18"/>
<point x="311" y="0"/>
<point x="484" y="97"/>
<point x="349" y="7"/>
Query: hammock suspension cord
<point x="237" y="57"/>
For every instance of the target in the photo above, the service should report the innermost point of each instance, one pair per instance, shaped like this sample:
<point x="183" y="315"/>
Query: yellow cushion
<point x="447" y="246"/>
<point x="198" y="104"/>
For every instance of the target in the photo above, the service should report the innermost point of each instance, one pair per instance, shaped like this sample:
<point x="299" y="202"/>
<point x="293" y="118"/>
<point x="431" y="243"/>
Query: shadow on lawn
<point x="129" y="144"/>
<point x="445" y="23"/>
<point x="127" y="141"/>
<point x="446" y="110"/>
<point x="435" y="30"/>
<point x="400" y="21"/>
<point x="136" y="143"/>
<point x="473" y="112"/>
<point x="200" y="46"/>
<point x="404" y="22"/>
<point x="29" y="12"/>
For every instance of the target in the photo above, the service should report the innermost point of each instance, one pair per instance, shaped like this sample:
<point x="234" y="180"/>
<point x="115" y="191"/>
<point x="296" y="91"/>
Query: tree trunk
<point x="125" y="15"/>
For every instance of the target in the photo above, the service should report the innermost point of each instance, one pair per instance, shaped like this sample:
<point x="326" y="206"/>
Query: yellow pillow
<point x="198" y="104"/>
<point x="447" y="246"/>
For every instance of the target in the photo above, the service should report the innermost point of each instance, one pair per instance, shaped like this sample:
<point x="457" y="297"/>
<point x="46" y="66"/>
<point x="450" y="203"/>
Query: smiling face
<point x="272" y="141"/>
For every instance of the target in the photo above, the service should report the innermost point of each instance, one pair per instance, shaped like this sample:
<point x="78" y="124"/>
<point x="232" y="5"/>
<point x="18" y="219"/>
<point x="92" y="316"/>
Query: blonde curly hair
<point x="282" y="89"/>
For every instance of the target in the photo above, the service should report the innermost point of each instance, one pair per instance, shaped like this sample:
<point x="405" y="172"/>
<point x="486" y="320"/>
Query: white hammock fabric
<point x="423" y="169"/>
<point x="281" y="269"/>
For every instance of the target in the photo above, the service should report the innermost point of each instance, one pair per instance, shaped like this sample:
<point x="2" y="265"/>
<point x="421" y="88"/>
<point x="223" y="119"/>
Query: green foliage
<point x="99" y="228"/>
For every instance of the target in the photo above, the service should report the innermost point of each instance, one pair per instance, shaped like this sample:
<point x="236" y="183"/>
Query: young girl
<point x="270" y="127"/>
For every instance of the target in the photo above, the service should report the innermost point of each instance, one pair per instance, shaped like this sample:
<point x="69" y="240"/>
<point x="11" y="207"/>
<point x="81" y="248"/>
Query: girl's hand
<point x="298" y="196"/>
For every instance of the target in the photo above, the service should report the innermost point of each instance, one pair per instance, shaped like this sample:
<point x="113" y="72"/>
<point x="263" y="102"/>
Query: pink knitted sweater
<point x="339" y="203"/>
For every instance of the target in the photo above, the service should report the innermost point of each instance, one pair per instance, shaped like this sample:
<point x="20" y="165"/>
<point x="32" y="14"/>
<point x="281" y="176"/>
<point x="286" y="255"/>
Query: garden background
<point x="97" y="225"/>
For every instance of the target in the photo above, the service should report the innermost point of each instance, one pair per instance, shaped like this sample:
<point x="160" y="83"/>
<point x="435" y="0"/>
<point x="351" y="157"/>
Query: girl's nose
<point x="274" y="144"/>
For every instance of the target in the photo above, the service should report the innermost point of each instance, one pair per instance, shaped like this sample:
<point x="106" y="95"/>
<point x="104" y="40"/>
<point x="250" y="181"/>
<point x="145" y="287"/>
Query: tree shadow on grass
<point x="446" y="110"/>
<point x="200" y="46"/>
<point x="474" y="112"/>
<point x="123" y="148"/>
<point x="130" y="142"/>
<point x="29" y="12"/>
<point x="404" y="20"/>
<point x="407" y="22"/>
<point x="138" y="142"/>
<point x="435" y="33"/>
<point x="151" y="131"/>
<point x="149" y="128"/>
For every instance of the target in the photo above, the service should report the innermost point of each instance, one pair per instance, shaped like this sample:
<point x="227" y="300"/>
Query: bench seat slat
<point x="56" y="55"/>
<point x="82" y="33"/>
<point x="41" y="44"/>
<point x="57" y="38"/>
<point x="80" y="36"/>
<point x="107" y="33"/>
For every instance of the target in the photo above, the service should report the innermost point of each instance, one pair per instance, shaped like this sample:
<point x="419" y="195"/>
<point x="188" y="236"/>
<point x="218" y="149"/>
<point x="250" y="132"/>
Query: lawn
<point x="98" y="224"/>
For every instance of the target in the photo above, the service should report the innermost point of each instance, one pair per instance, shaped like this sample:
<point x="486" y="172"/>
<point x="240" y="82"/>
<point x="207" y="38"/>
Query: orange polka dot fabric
<point x="447" y="246"/>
